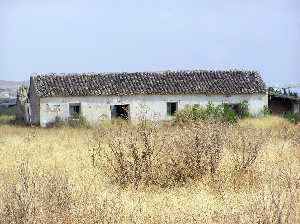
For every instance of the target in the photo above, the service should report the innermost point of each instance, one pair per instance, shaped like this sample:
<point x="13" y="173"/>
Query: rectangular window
<point x="120" y="111"/>
<point x="171" y="108"/>
<point x="74" y="110"/>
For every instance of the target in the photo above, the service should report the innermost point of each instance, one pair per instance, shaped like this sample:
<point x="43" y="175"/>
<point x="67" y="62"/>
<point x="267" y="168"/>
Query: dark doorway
<point x="120" y="111"/>
<point x="280" y="105"/>
<point x="171" y="108"/>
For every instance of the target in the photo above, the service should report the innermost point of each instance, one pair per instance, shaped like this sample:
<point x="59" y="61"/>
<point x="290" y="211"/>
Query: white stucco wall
<point x="296" y="108"/>
<point x="152" y="107"/>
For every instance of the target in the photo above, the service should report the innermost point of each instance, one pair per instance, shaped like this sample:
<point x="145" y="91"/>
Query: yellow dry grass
<point x="47" y="176"/>
<point x="272" y="122"/>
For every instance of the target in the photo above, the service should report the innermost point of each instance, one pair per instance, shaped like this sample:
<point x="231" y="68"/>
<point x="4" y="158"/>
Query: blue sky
<point x="139" y="35"/>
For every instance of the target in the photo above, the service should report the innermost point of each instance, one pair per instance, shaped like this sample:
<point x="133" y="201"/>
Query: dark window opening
<point x="120" y="111"/>
<point x="239" y="109"/>
<point x="236" y="108"/>
<point x="171" y="109"/>
<point x="74" y="110"/>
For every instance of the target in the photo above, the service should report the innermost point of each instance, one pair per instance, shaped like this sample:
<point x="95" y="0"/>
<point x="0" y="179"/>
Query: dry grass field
<point x="207" y="172"/>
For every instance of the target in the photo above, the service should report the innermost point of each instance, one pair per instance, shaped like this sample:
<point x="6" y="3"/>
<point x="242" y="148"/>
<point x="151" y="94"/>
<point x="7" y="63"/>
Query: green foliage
<point x="274" y="91"/>
<point x="9" y="111"/>
<point x="282" y="91"/>
<point x="214" y="111"/>
<point x="244" y="109"/>
<point x="223" y="112"/>
<point x="293" y="94"/>
<point x="266" y="111"/>
<point x="191" y="114"/>
<point x="7" y="115"/>
<point x="292" y="117"/>
<point x="229" y="114"/>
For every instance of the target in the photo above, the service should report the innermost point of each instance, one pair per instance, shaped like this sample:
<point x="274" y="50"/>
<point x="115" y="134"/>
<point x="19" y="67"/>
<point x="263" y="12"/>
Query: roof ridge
<point x="245" y="72"/>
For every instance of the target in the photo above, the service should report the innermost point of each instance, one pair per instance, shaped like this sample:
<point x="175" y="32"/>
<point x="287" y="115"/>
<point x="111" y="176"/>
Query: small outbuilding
<point x="153" y="95"/>
<point x="282" y="104"/>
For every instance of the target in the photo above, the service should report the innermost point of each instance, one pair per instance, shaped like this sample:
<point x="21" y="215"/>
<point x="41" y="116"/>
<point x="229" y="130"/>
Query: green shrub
<point x="215" y="111"/>
<point x="244" y="110"/>
<point x="229" y="114"/>
<point x="9" y="111"/>
<point x="266" y="111"/>
<point x="192" y="113"/>
<point x="223" y="112"/>
<point x="7" y="115"/>
<point x="292" y="117"/>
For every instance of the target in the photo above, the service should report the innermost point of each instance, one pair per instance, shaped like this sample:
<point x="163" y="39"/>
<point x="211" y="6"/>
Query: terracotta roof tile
<point x="149" y="83"/>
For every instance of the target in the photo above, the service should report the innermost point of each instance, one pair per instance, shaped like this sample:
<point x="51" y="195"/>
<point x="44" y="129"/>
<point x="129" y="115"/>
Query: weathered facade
<point x="154" y="95"/>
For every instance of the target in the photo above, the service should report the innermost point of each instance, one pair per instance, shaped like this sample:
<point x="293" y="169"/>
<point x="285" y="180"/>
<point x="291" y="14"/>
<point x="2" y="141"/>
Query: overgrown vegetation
<point x="282" y="91"/>
<point x="222" y="112"/>
<point x="292" y="117"/>
<point x="226" y="113"/>
<point x="202" y="169"/>
<point x="10" y="111"/>
<point x="7" y="115"/>
<point x="74" y="122"/>
<point x="172" y="156"/>
<point x="206" y="171"/>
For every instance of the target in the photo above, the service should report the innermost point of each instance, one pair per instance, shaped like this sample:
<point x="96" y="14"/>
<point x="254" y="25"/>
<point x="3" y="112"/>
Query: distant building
<point x="153" y="95"/>
<point x="283" y="103"/>
<point x="8" y="102"/>
<point x="4" y="95"/>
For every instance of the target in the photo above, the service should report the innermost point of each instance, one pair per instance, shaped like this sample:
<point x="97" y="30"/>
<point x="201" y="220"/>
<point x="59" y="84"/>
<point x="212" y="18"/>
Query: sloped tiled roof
<point x="149" y="83"/>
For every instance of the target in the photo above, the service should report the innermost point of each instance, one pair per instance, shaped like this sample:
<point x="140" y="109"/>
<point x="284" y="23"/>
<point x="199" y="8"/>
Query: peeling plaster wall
<point x="153" y="107"/>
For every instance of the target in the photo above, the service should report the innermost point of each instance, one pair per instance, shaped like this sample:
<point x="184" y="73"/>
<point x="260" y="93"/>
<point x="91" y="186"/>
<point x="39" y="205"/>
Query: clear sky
<point x="140" y="35"/>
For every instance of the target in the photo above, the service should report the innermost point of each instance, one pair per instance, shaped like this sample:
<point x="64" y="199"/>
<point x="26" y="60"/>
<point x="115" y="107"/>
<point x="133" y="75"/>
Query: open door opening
<point x="120" y="111"/>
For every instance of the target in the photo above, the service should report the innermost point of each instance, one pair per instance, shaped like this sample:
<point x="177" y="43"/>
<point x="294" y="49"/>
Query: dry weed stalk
<point x="172" y="155"/>
<point x="200" y="172"/>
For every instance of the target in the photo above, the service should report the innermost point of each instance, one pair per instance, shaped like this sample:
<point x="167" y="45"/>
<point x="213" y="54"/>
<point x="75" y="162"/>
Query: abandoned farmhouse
<point x="153" y="95"/>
